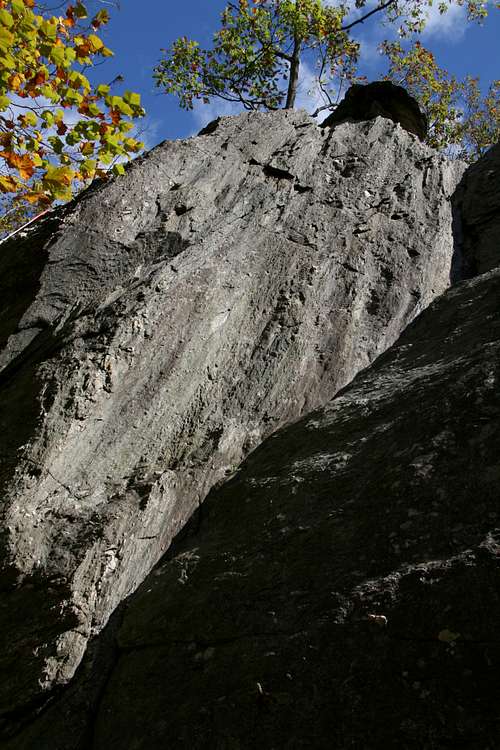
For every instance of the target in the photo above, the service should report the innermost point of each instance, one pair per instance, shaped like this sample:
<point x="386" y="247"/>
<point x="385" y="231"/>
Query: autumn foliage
<point x="259" y="48"/>
<point x="57" y="130"/>
<point x="463" y="121"/>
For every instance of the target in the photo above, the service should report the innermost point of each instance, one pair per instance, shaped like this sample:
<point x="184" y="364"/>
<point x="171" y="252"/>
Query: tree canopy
<point x="257" y="53"/>
<point x="462" y="121"/>
<point x="57" y="130"/>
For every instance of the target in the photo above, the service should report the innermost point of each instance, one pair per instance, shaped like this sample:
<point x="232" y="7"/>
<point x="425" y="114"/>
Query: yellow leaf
<point x="95" y="43"/>
<point x="8" y="184"/>
<point x="15" y="81"/>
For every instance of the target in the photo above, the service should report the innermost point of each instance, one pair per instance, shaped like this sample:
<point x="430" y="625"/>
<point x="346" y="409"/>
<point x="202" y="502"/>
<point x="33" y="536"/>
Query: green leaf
<point x="49" y="93"/>
<point x="48" y="29"/>
<point x="48" y="117"/>
<point x="56" y="144"/>
<point x="118" y="169"/>
<point x="116" y="102"/>
<point x="6" y="39"/>
<point x="18" y="7"/>
<point x="69" y="56"/>
<point x="7" y="62"/>
<point x="73" y="97"/>
<point x="94" y="109"/>
<point x="57" y="56"/>
<point x="106" y="157"/>
<point x="6" y="19"/>
<point x="88" y="167"/>
<point x="132" y="98"/>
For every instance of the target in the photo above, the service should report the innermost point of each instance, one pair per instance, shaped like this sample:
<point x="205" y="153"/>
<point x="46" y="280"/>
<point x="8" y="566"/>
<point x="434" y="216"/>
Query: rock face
<point x="342" y="590"/>
<point x="380" y="99"/>
<point x="173" y="319"/>
<point x="481" y="217"/>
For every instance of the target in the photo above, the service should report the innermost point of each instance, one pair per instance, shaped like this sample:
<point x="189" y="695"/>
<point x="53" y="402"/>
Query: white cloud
<point x="146" y="130"/>
<point x="204" y="113"/>
<point x="450" y="25"/>
<point x="308" y="92"/>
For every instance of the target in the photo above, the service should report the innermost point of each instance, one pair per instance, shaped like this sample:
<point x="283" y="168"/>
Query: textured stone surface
<point x="380" y="99"/>
<point x="224" y="286"/>
<point x="342" y="590"/>
<point x="478" y="202"/>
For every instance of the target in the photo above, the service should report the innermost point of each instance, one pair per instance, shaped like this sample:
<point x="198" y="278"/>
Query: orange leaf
<point x="39" y="78"/>
<point x="83" y="49"/>
<point x="23" y="164"/>
<point x="34" y="197"/>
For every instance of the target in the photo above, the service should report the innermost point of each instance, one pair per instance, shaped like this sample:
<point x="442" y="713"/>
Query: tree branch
<point x="385" y="5"/>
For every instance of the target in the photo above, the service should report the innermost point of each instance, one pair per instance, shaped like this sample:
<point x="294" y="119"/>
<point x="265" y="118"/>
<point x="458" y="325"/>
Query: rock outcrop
<point x="342" y="590"/>
<point x="477" y="201"/>
<point x="171" y="320"/>
<point x="380" y="99"/>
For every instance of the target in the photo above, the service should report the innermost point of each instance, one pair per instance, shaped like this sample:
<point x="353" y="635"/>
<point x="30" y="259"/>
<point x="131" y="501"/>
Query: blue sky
<point x="139" y="30"/>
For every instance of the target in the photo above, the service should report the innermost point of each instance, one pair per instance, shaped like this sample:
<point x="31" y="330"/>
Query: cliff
<point x="342" y="590"/>
<point x="171" y="321"/>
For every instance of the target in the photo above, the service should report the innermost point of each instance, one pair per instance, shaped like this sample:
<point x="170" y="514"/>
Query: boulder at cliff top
<point x="173" y="318"/>
<point x="380" y="99"/>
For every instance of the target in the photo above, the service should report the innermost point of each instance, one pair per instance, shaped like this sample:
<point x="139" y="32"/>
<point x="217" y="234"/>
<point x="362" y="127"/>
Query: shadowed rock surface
<point x="380" y="99"/>
<point x="342" y="590"/>
<point x="477" y="200"/>
<point x="224" y="286"/>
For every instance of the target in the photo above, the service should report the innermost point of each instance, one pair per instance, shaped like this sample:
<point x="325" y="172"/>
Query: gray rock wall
<point x="224" y="286"/>
<point x="342" y="590"/>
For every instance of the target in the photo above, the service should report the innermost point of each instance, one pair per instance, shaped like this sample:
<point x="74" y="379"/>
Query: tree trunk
<point x="294" y="76"/>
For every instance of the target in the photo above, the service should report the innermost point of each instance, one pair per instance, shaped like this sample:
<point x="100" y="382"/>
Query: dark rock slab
<point x="477" y="200"/>
<point x="226" y="285"/>
<point x="380" y="99"/>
